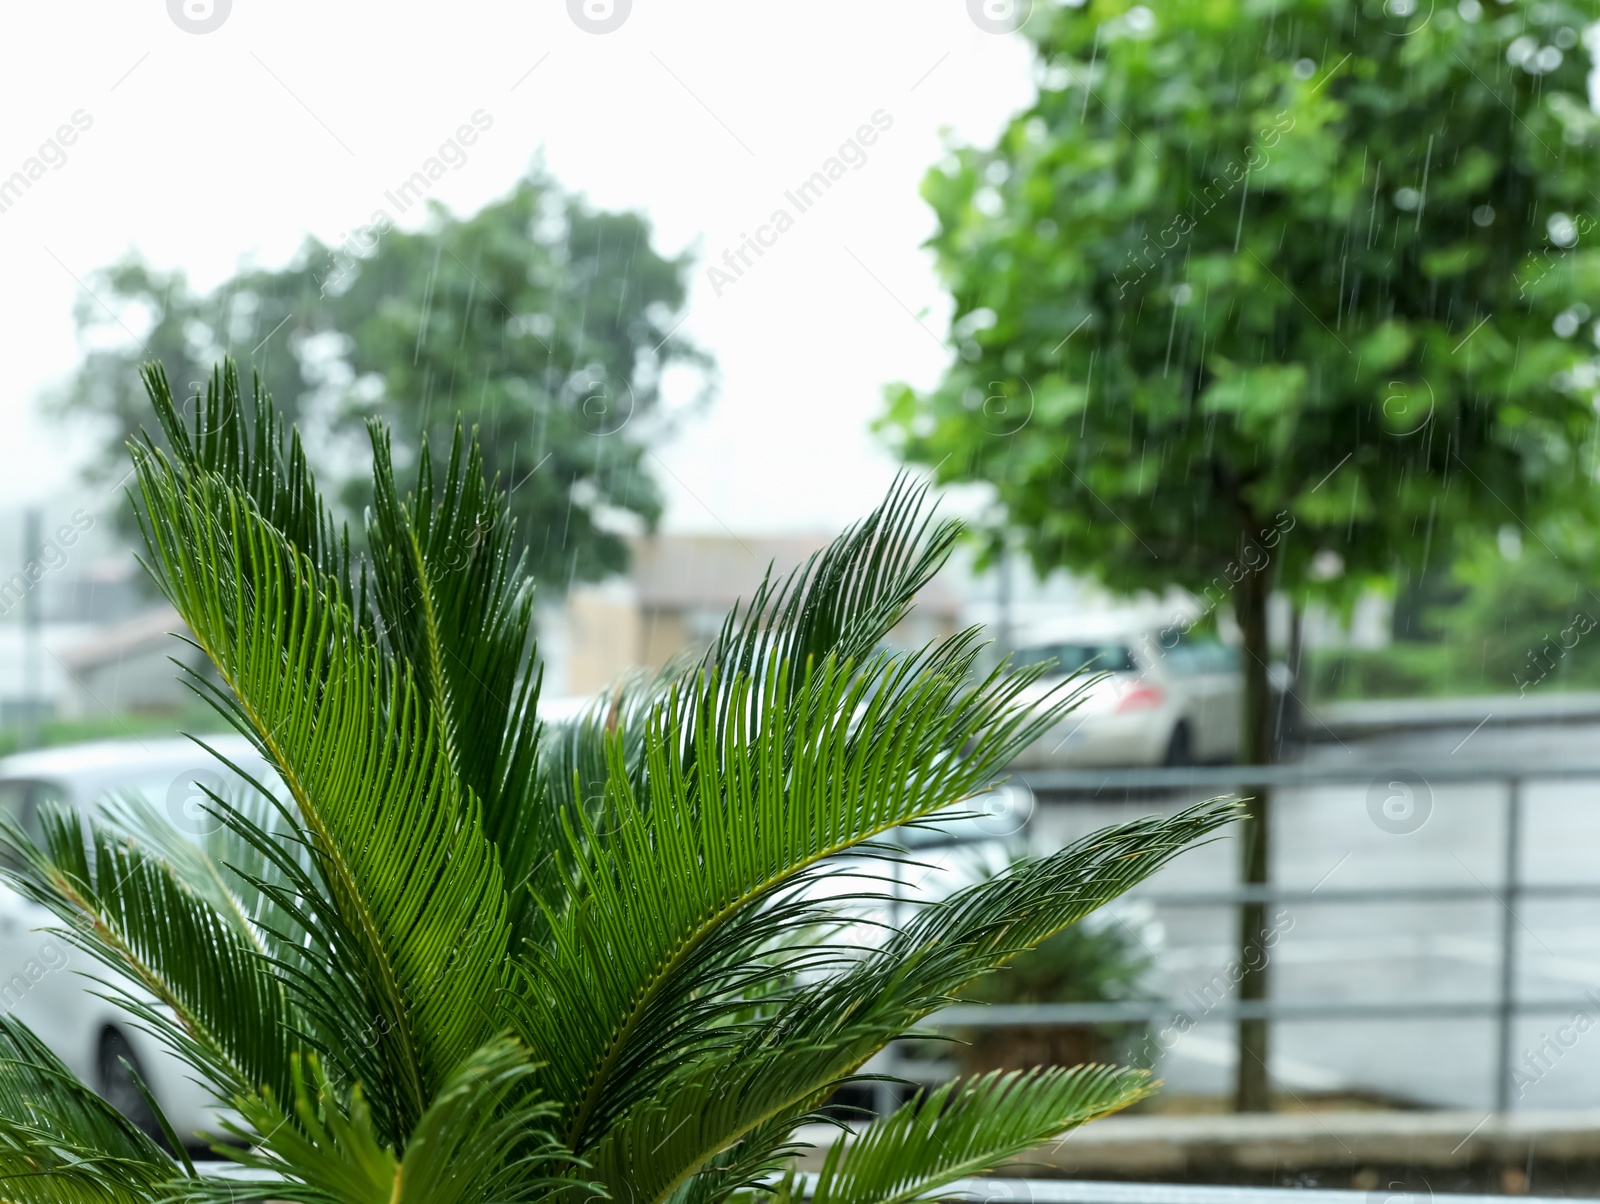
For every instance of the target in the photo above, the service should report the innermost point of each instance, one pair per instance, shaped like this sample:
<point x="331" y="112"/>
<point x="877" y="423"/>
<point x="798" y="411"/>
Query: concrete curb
<point x="1209" y="1146"/>
<point x="1161" y="1144"/>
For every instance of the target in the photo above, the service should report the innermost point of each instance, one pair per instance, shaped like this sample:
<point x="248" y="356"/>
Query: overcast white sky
<point x="292" y="117"/>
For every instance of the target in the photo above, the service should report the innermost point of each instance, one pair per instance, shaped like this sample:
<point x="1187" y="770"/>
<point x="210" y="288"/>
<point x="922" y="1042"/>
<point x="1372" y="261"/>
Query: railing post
<point x="885" y="1090"/>
<point x="1511" y="885"/>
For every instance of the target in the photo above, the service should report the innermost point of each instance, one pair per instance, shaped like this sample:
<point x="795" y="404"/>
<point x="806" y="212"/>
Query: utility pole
<point x="28" y="735"/>
<point x="1003" y="629"/>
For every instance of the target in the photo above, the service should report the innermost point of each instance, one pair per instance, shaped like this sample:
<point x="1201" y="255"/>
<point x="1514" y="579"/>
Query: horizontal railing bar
<point x="1079" y="1191"/>
<point x="1021" y="1015"/>
<point x="1095" y="781"/>
<point x="1376" y="894"/>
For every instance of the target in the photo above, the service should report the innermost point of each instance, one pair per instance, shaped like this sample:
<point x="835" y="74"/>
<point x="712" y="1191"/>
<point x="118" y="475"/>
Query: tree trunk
<point x="1252" y="1088"/>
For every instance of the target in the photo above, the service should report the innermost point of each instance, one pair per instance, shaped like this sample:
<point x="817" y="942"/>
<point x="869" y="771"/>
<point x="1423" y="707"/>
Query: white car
<point x="48" y="983"/>
<point x="1167" y="697"/>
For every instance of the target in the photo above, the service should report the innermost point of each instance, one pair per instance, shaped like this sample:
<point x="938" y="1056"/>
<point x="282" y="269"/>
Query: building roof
<point x="712" y="572"/>
<point x="142" y="633"/>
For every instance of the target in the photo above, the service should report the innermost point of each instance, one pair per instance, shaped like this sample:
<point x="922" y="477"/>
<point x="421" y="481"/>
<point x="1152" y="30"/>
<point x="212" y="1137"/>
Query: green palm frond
<point x="924" y="964"/>
<point x="447" y="595"/>
<point x="782" y="1066"/>
<point x="574" y="761"/>
<point x="246" y="446"/>
<point x="671" y="896"/>
<point x="60" y="1143"/>
<point x="411" y="881"/>
<point x="320" y="1149"/>
<point x="218" y="1002"/>
<point x="236" y="864"/>
<point x="966" y="1128"/>
<point x="842" y="602"/>
<point x="482" y="1138"/>
<point x="448" y="955"/>
<point x="708" y="1109"/>
<point x="485" y="1136"/>
<point x="775" y="736"/>
<point x="845" y="599"/>
<point x="455" y="604"/>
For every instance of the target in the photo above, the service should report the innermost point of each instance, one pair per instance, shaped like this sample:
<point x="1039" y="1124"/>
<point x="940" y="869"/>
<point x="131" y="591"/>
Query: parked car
<point x="1166" y="698"/>
<point x="50" y="985"/>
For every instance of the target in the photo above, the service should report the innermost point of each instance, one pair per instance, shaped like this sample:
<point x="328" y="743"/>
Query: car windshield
<point x="182" y="798"/>
<point x="1192" y="657"/>
<point x="22" y="798"/>
<point x="1069" y="657"/>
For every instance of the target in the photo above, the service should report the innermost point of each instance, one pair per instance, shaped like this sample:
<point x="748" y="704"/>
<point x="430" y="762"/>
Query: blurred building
<point x="83" y="634"/>
<point x="674" y="599"/>
<point x="129" y="666"/>
<point x="65" y="577"/>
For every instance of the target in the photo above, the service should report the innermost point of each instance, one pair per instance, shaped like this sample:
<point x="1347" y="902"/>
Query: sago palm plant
<point x="455" y="954"/>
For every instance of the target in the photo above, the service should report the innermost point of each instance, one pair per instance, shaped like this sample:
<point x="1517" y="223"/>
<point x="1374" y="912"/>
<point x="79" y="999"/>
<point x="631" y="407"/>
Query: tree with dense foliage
<point x="549" y="323"/>
<point x="1273" y="294"/>
<point x="465" y="956"/>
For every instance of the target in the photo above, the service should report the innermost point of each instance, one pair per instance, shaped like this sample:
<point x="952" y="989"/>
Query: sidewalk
<point x="1385" y="716"/>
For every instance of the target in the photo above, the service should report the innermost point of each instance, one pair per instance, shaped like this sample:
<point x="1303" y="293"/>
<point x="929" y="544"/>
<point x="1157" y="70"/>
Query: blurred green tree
<point x="548" y="323"/>
<point x="1273" y="294"/>
<point x="1524" y="619"/>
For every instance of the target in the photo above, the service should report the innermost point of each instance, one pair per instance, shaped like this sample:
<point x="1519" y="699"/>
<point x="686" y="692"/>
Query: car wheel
<point x="118" y="1065"/>
<point x="1180" y="746"/>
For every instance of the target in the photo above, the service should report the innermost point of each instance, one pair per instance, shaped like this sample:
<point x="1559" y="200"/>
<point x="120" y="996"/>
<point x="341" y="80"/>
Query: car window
<point x="181" y="798"/>
<point x="21" y="800"/>
<point x="1191" y="657"/>
<point x="1070" y="657"/>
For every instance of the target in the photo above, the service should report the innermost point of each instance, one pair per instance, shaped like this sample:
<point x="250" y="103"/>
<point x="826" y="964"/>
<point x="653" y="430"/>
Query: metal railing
<point x="1151" y="785"/>
<point x="1064" y="1191"/>
<point x="1052" y="1191"/>
<point x="1058" y="1191"/>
